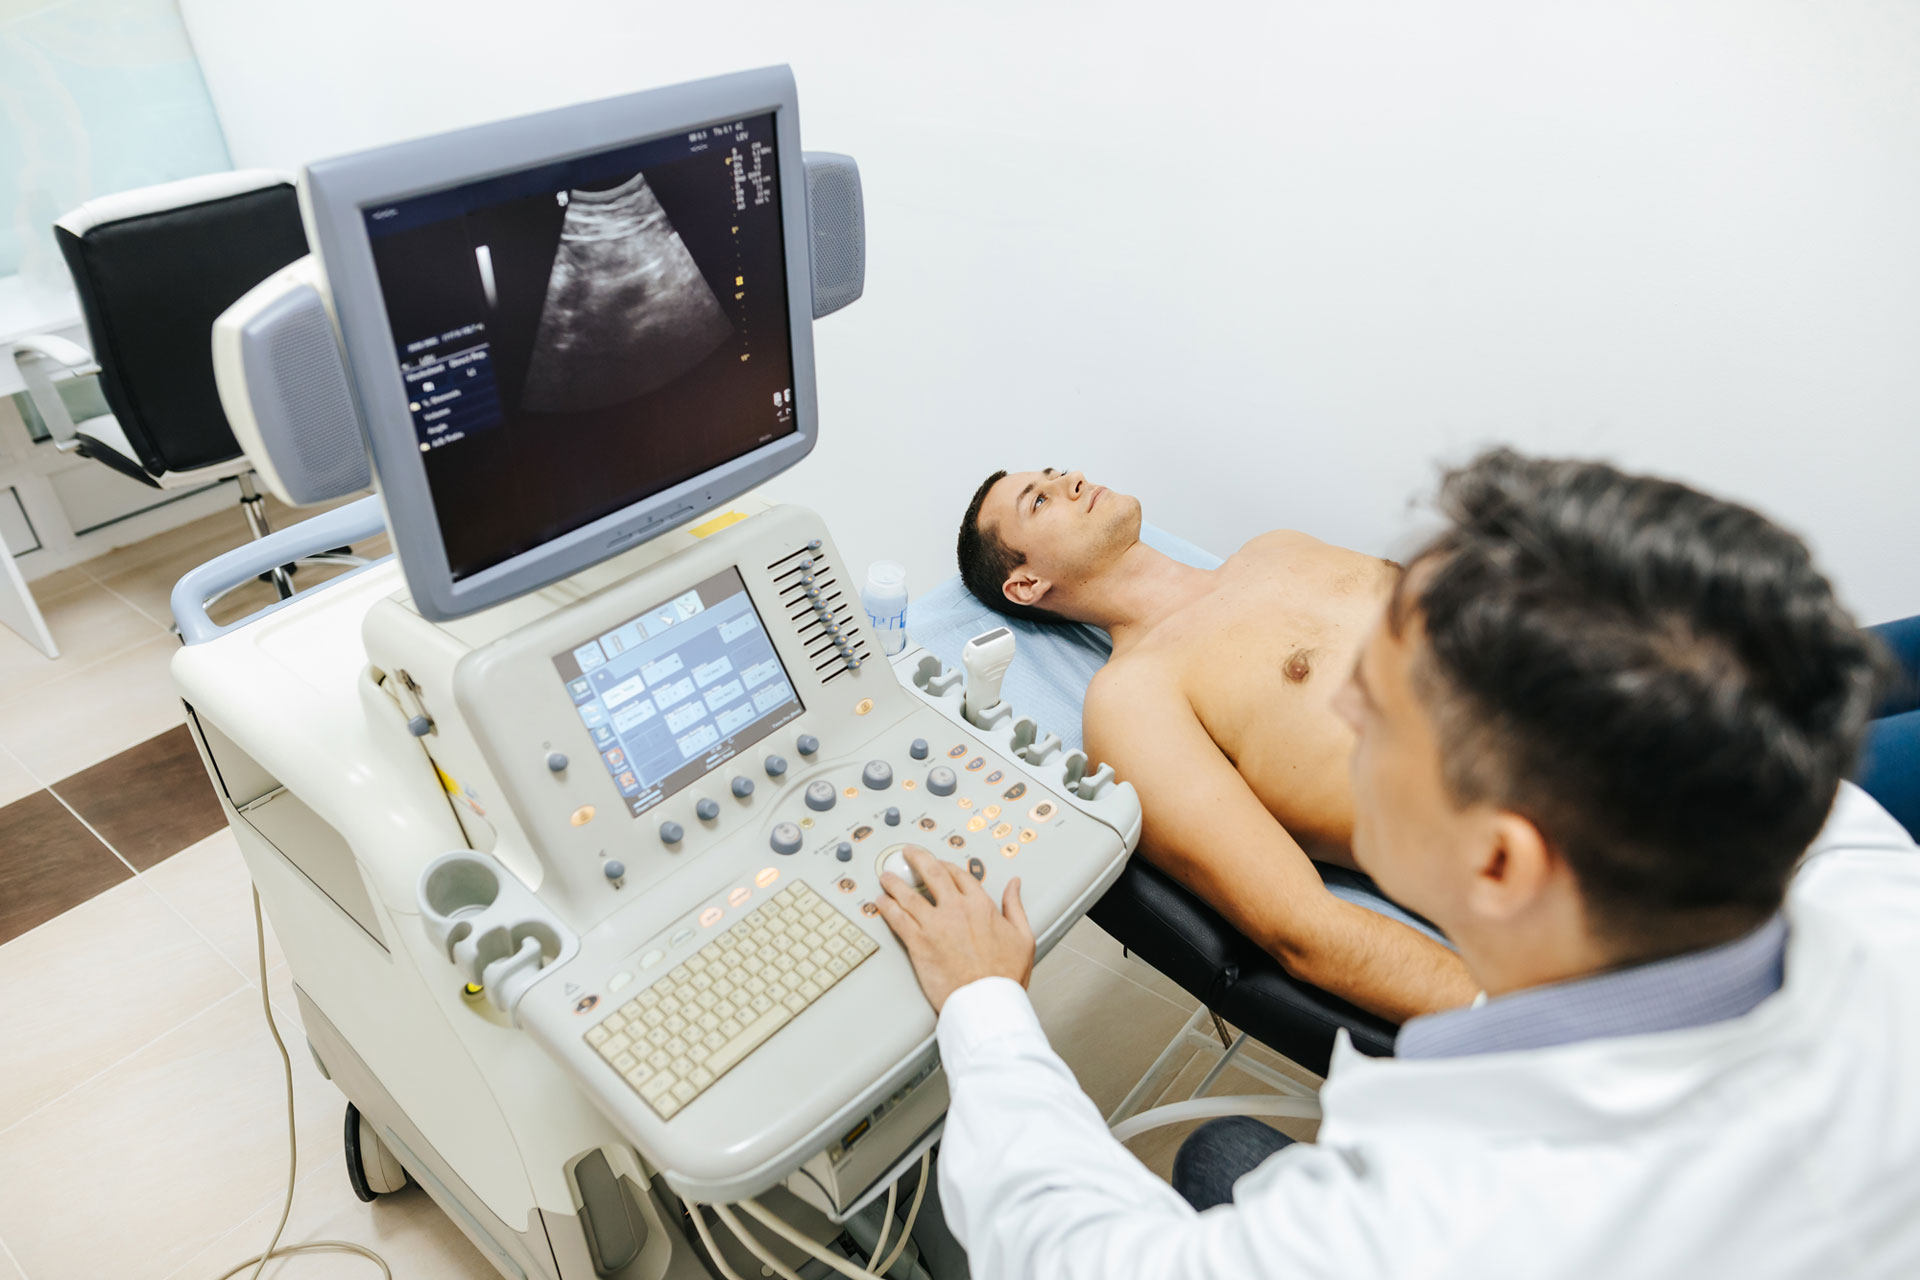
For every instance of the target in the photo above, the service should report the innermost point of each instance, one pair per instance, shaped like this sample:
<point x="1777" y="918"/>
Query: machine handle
<point x="336" y="528"/>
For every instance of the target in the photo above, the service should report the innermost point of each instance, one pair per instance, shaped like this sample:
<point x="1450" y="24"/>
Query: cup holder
<point x="456" y="887"/>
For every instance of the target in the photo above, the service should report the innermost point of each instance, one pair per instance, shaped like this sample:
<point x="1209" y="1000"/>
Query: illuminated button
<point x="861" y="833"/>
<point x="820" y="796"/>
<point x="785" y="839"/>
<point x="928" y="824"/>
<point x="863" y="706"/>
<point x="957" y="842"/>
<point x="846" y="884"/>
<point x="1043" y="811"/>
<point x="742" y="786"/>
<point x="707" y="809"/>
<point x="908" y="784"/>
<point x="965" y="802"/>
<point x="1028" y="835"/>
<point x="976" y="764"/>
<point x="670" y="833"/>
<point x="739" y="896"/>
<point x="991" y="812"/>
<point x="976" y="822"/>
<point x="851" y="792"/>
<point x="1008" y="850"/>
<point x="767" y="876"/>
<point x="1015" y="791"/>
<point x="582" y="816"/>
<point x="976" y="868"/>
<point x="711" y="917"/>
<point x="892" y="817"/>
<point x="869" y="908"/>
<point x="941" y="780"/>
<point x="955" y="752"/>
<point x="1002" y="831"/>
<point x="776" y="765"/>
<point x="995" y="776"/>
<point x="877" y="776"/>
<point x="807" y="744"/>
<point x="919" y="749"/>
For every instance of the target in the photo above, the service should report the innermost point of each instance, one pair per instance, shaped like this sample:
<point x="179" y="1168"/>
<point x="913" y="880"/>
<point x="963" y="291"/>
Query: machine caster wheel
<point x="371" y="1168"/>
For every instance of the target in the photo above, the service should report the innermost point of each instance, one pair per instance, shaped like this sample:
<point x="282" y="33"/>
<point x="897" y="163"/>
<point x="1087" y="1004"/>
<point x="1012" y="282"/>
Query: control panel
<point x="702" y="949"/>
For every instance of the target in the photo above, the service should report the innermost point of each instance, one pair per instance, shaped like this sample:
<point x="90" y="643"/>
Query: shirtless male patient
<point x="1216" y="705"/>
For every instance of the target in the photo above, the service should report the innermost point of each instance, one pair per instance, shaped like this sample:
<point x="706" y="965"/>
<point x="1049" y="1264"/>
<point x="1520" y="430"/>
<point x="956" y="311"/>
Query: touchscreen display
<point x="679" y="690"/>
<point x="576" y="337"/>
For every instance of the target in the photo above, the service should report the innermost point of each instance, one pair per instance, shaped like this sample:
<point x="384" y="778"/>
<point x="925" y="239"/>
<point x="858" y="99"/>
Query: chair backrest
<point x="154" y="268"/>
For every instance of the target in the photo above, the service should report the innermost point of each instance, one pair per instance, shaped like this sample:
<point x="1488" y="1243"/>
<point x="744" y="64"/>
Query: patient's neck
<point x="1141" y="590"/>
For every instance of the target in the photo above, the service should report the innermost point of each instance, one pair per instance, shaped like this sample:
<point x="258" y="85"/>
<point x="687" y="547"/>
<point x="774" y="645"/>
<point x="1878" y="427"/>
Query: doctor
<point x="1601" y="722"/>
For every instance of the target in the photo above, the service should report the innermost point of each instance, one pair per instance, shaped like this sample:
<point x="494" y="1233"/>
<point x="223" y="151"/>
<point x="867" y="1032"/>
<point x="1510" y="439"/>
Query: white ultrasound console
<point x="701" y="777"/>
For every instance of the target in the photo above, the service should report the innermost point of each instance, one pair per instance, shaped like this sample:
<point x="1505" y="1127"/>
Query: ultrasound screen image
<point x="577" y="337"/>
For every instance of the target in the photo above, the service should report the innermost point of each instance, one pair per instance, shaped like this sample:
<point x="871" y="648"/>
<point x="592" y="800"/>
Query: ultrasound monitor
<point x="570" y="332"/>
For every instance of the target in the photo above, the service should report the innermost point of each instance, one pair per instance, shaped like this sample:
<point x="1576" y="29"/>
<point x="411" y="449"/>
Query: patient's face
<point x="1407" y="833"/>
<point x="1068" y="528"/>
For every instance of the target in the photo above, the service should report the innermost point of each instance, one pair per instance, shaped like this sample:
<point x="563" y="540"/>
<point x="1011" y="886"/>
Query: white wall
<point x="1266" y="264"/>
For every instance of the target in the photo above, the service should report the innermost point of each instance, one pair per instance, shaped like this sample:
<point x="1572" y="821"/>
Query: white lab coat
<point x="1785" y="1142"/>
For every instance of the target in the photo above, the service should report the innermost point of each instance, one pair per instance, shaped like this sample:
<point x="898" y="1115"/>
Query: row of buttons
<point x="708" y="810"/>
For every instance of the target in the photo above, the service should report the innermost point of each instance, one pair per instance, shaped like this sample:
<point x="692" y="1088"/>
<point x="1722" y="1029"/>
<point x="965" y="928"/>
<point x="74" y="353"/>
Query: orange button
<point x="739" y="895"/>
<point x="965" y="802"/>
<point x="863" y="706"/>
<point x="582" y="816"/>
<point x="767" y="876"/>
<point x="710" y="917"/>
<point x="1044" y="810"/>
<point x="1008" y="850"/>
<point x="1028" y="835"/>
<point x="1002" y="831"/>
<point x="992" y="811"/>
<point x="976" y="822"/>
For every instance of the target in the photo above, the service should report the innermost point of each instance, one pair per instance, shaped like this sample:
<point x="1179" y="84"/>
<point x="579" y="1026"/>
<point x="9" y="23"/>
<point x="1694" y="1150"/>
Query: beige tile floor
<point x="142" y="1113"/>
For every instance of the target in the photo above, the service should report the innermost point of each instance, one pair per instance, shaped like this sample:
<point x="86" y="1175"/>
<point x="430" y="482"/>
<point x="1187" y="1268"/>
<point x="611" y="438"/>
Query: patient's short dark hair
<point x="1660" y="680"/>
<point x="986" y="561"/>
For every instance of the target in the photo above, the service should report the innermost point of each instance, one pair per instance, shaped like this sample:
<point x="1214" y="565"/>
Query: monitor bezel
<point x="335" y="193"/>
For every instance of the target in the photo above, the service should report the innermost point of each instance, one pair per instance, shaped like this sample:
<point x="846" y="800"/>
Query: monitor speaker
<point x="284" y="389"/>
<point x="837" y="231"/>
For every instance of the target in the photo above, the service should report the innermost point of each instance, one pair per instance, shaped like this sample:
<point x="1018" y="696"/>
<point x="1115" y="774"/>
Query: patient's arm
<point x="1207" y="829"/>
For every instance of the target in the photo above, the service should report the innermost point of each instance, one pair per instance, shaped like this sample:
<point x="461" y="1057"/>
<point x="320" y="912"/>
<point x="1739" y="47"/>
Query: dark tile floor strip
<point x="149" y="802"/>
<point x="49" y="863"/>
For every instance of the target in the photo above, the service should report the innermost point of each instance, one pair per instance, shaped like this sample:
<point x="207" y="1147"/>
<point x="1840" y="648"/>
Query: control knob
<point x="941" y="780"/>
<point x="785" y="838"/>
<point x="821" y="796"/>
<point x="892" y="817"/>
<point x="807" y="744"/>
<point x="919" y="749"/>
<point x="708" y="809"/>
<point x="670" y="833"/>
<point x="776" y="765"/>
<point x="557" y="761"/>
<point x="742" y="786"/>
<point x="877" y="776"/>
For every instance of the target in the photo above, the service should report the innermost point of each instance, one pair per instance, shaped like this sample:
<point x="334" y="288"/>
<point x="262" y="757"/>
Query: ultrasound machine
<point x="569" y="817"/>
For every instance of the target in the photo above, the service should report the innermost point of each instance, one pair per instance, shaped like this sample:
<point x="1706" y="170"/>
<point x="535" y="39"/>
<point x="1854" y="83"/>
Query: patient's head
<point x="1610" y="683"/>
<point x="1031" y="541"/>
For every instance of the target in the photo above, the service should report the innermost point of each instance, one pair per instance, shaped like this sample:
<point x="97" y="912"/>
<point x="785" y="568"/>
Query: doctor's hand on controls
<point x="1602" y="737"/>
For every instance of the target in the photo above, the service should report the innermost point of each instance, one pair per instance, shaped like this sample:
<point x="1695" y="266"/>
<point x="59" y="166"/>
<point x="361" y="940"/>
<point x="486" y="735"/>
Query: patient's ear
<point x="1025" y="587"/>
<point x="1515" y="868"/>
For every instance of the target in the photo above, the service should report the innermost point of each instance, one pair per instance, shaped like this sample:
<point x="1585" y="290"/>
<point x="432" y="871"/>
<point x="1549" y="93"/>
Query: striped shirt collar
<point x="1689" y="990"/>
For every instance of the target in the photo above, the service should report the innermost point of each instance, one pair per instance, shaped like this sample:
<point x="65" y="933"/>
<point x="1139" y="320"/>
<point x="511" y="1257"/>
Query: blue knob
<point x="919" y="749"/>
<point x="785" y="839"/>
<point x="670" y="833"/>
<point x="941" y="780"/>
<point x="893" y="817"/>
<point x="708" y="810"/>
<point x="877" y="776"/>
<point x="615" y="869"/>
<point x="808" y="744"/>
<point x="821" y="796"/>
<point x="776" y="765"/>
<point x="743" y="787"/>
<point x="843" y="851"/>
<point x="557" y="761"/>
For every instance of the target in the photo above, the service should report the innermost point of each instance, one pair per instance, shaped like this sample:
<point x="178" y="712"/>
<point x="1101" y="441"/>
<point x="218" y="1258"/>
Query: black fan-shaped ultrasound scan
<point x="577" y="337"/>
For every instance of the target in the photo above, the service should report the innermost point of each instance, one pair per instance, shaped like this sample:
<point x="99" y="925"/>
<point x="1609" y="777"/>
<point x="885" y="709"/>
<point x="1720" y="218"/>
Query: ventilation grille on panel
<point x="821" y="606"/>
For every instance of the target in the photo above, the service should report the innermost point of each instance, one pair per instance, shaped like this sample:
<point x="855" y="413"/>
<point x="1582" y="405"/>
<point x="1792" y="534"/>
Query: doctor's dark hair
<point x="1661" y="681"/>
<point x="986" y="561"/>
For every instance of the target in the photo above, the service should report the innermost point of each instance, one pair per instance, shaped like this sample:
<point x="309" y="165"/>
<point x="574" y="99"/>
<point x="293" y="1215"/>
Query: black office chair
<point x="153" y="269"/>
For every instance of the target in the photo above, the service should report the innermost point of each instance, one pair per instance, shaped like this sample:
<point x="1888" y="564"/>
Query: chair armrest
<point x="31" y="355"/>
<point x="1214" y="1108"/>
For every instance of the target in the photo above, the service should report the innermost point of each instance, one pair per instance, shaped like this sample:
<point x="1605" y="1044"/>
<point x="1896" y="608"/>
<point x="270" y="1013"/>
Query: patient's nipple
<point x="1299" y="665"/>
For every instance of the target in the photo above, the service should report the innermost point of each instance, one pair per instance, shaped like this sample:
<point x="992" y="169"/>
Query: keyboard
<point x="699" y="1021"/>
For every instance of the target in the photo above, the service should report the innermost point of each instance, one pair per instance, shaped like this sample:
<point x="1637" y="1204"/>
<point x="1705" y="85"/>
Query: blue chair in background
<point x="1890" y="767"/>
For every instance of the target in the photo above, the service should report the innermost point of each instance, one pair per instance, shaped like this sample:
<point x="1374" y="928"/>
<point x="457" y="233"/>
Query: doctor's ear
<point x="1025" y="587"/>
<point x="1516" y="866"/>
